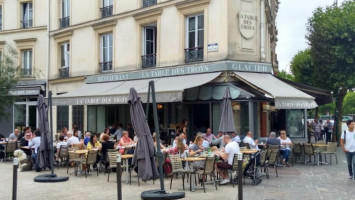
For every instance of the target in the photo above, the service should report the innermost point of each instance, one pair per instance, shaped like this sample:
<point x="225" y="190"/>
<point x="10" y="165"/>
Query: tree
<point x="285" y="75"/>
<point x="349" y="103"/>
<point x="302" y="67"/>
<point x="9" y="74"/>
<point x="331" y="36"/>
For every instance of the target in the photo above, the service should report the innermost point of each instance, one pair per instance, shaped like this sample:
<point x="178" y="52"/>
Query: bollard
<point x="14" y="180"/>
<point x="119" y="174"/>
<point x="240" y="176"/>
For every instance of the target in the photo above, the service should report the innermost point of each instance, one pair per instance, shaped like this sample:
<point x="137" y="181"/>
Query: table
<point x="126" y="157"/>
<point x="249" y="151"/>
<point x="319" y="145"/>
<point x="192" y="159"/>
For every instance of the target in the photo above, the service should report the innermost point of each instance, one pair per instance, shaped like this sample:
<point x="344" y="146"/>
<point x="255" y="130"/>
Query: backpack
<point x="167" y="167"/>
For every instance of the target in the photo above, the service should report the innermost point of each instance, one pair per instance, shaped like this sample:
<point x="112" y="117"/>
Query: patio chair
<point x="263" y="159"/>
<point x="246" y="145"/>
<point x="76" y="160"/>
<point x="91" y="160"/>
<point x="10" y="149"/>
<point x="297" y="151"/>
<point x="331" y="150"/>
<point x="273" y="154"/>
<point x="111" y="155"/>
<point x="63" y="155"/>
<point x="235" y="168"/>
<point x="80" y="146"/>
<point x="309" y="151"/>
<point x="208" y="170"/>
<point x="177" y="169"/>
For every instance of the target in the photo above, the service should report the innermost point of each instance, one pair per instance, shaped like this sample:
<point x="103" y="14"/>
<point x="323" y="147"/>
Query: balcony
<point x="64" y="72"/>
<point x="194" y="54"/>
<point x="106" y="11"/>
<point x="26" y="23"/>
<point x="106" y="66"/>
<point x="147" y="3"/>
<point x="26" y="73"/>
<point x="148" y="60"/>
<point x="64" y="22"/>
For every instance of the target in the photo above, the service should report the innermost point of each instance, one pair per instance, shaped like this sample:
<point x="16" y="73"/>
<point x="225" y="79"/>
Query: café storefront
<point x="194" y="93"/>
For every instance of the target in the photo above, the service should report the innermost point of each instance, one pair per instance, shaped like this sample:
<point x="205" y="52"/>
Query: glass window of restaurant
<point x="293" y="121"/>
<point x="25" y="113"/>
<point x="62" y="117"/>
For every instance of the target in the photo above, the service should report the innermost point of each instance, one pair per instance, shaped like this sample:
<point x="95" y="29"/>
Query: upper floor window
<point x="27" y="63"/>
<point x="194" y="38"/>
<point x="147" y="3"/>
<point x="106" y="52"/>
<point x="0" y="17"/>
<point x="65" y="14"/>
<point x="26" y="15"/>
<point x="149" y="46"/>
<point x="64" y="59"/>
<point x="107" y="8"/>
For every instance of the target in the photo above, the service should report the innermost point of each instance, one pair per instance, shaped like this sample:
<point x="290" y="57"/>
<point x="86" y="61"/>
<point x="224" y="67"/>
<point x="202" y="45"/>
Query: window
<point x="107" y="8"/>
<point x="106" y="52"/>
<point x="149" y="46"/>
<point x="0" y="17"/>
<point x="147" y="3"/>
<point x="64" y="59"/>
<point x="194" y="38"/>
<point x="78" y="116"/>
<point x="65" y="12"/>
<point x="27" y="15"/>
<point x="62" y="117"/>
<point x="27" y="63"/>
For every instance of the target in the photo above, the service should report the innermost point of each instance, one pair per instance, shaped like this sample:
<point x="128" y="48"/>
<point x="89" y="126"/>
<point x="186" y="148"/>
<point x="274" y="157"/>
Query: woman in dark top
<point x="106" y="144"/>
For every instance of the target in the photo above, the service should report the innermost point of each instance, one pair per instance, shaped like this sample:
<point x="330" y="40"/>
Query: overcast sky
<point x="291" y="23"/>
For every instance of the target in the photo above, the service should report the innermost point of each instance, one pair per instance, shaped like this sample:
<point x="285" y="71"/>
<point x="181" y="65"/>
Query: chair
<point x="208" y="169"/>
<point x="63" y="154"/>
<point x="91" y="160"/>
<point x="80" y="146"/>
<point x="111" y="155"/>
<point x="177" y="169"/>
<point x="234" y="168"/>
<point x="263" y="160"/>
<point x="309" y="151"/>
<point x="331" y="150"/>
<point x="273" y="154"/>
<point x="247" y="145"/>
<point x="75" y="159"/>
<point x="297" y="151"/>
<point x="10" y="148"/>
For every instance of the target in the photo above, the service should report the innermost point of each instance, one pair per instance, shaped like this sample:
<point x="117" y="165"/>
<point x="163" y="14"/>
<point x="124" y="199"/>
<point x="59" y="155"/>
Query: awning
<point x="286" y="96"/>
<point x="28" y="88"/>
<point x="168" y="89"/>
<point x="321" y="96"/>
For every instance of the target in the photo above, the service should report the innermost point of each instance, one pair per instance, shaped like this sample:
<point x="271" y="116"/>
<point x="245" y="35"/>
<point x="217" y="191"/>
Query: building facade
<point x="192" y="49"/>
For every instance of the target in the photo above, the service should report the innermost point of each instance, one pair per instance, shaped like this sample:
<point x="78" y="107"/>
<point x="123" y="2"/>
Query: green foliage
<point x="349" y="103"/>
<point x="302" y="67"/>
<point x="9" y="74"/>
<point x="327" y="108"/>
<point x="285" y="75"/>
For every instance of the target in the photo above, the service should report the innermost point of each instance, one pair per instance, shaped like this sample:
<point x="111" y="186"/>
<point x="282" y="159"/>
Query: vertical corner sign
<point x="247" y="24"/>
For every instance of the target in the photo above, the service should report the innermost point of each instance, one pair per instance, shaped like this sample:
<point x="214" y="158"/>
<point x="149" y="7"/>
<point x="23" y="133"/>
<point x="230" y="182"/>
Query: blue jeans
<point x="285" y="153"/>
<point x="350" y="157"/>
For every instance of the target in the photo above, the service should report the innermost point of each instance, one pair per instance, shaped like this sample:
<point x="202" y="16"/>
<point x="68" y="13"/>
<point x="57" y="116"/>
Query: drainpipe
<point x="48" y="46"/>
<point x="262" y="30"/>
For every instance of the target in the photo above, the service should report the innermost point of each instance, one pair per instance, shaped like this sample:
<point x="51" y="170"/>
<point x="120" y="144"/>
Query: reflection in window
<point x="295" y="127"/>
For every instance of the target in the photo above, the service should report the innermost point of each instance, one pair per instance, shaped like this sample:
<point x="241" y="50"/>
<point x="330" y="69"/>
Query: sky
<point x="291" y="20"/>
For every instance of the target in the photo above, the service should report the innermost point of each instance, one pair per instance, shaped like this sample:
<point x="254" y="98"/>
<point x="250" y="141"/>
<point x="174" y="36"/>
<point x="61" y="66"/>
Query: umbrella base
<point x="158" y="194"/>
<point x="46" y="178"/>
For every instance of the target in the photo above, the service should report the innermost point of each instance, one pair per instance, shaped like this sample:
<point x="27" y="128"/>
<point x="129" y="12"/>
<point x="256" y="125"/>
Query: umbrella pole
<point x="51" y="129"/>
<point x="156" y="125"/>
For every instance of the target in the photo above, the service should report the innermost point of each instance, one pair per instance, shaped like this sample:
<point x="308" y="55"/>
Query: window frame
<point x="144" y="40"/>
<point x="27" y="17"/>
<point x="187" y="36"/>
<point x="25" y="54"/>
<point x="106" y="56"/>
<point x="66" y="57"/>
<point x="65" y="8"/>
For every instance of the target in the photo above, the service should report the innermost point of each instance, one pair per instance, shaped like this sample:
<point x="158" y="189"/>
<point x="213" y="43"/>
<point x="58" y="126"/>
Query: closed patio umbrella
<point x="227" y="120"/>
<point x="144" y="153"/>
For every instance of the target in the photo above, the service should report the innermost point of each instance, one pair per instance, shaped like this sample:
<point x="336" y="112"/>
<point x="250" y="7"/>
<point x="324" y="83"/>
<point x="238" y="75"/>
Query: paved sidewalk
<point x="298" y="182"/>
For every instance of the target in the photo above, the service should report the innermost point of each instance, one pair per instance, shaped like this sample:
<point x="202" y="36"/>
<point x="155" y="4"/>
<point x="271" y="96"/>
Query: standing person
<point x="322" y="131"/>
<point x="13" y="136"/>
<point x="347" y="143"/>
<point x="113" y="129"/>
<point x="310" y="132"/>
<point x="118" y="134"/>
<point x="317" y="129"/>
<point x="76" y="129"/>
<point x="183" y="125"/>
<point x="130" y="131"/>
<point x="285" y="149"/>
<point x="328" y="128"/>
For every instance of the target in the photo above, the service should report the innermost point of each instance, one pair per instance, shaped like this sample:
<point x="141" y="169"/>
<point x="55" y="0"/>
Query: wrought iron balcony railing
<point x="26" y="72"/>
<point x="26" y="23"/>
<point x="64" y="22"/>
<point x="64" y="72"/>
<point x="148" y="60"/>
<point x="194" y="54"/>
<point x="106" y="66"/>
<point x="147" y="3"/>
<point x="106" y="11"/>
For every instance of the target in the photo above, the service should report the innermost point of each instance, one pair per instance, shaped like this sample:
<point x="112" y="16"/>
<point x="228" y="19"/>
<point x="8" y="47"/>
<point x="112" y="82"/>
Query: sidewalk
<point x="298" y="182"/>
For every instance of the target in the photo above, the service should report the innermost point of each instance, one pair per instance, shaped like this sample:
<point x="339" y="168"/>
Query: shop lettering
<point x="115" y="77"/>
<point x="197" y="69"/>
<point x="247" y="24"/>
<point x="250" y="67"/>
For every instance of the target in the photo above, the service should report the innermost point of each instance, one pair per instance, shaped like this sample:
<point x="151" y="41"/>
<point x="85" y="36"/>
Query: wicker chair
<point x="297" y="151"/>
<point x="177" y="169"/>
<point x="273" y="154"/>
<point x="111" y="156"/>
<point x="91" y="160"/>
<point x="10" y="149"/>
<point x="208" y="169"/>
<point x="331" y="150"/>
<point x="235" y="168"/>
<point x="247" y="145"/>
<point x="63" y="155"/>
<point x="263" y="160"/>
<point x="76" y="160"/>
<point x="309" y="151"/>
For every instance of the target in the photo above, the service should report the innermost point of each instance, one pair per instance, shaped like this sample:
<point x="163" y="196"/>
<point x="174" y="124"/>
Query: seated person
<point x="126" y="141"/>
<point x="87" y="138"/>
<point x="105" y="145"/>
<point x="13" y="136"/>
<point x="249" y="140"/>
<point x="205" y="143"/>
<point x="235" y="137"/>
<point x="227" y="155"/>
<point x="93" y="144"/>
<point x="219" y="141"/>
<point x="272" y="140"/>
<point x="285" y="149"/>
<point x="72" y="139"/>
<point x="180" y="147"/>
<point x="209" y="135"/>
<point x="35" y="143"/>
<point x="24" y="144"/>
<point x="60" y="143"/>
<point x="183" y="137"/>
<point x="196" y="149"/>
<point x="154" y="136"/>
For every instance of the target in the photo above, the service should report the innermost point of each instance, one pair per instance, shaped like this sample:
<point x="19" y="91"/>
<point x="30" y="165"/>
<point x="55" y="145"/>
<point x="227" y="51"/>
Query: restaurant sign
<point x="184" y="70"/>
<point x="24" y="92"/>
<point x="247" y="24"/>
<point x="283" y="103"/>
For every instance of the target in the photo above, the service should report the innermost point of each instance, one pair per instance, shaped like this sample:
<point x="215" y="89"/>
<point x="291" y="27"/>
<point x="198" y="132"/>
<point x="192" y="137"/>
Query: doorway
<point x="200" y="118"/>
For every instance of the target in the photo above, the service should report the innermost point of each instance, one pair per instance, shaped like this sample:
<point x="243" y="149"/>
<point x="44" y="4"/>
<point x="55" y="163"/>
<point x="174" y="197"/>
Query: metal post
<point x="240" y="176"/>
<point x="119" y="175"/>
<point x="160" y="156"/>
<point x="51" y="129"/>
<point x="14" y="180"/>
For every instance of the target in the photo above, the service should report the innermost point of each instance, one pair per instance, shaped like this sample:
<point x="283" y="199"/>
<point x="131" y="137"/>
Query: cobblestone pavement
<point x="298" y="182"/>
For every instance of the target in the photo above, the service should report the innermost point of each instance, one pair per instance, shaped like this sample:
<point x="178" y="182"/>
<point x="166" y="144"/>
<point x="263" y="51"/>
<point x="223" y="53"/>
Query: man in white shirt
<point x="249" y="140"/>
<point x="72" y="139"/>
<point x="347" y="143"/>
<point x="235" y="137"/>
<point x="227" y="155"/>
